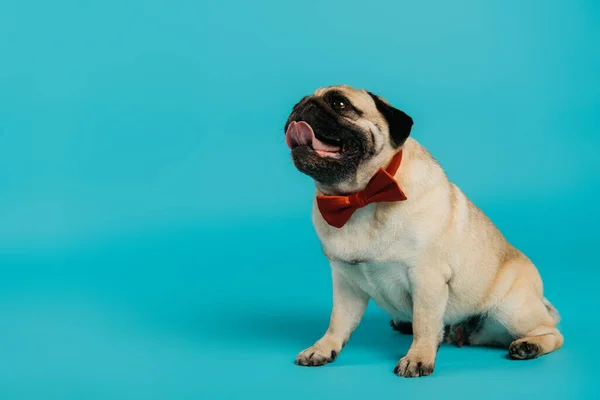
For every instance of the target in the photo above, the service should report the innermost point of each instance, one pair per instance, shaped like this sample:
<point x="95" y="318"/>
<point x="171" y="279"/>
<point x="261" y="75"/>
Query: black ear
<point x="398" y="121"/>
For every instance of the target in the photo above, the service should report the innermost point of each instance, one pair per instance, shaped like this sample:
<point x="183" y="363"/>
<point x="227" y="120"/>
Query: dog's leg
<point x="537" y="342"/>
<point x="349" y="305"/>
<point x="430" y="296"/>
<point x="528" y="316"/>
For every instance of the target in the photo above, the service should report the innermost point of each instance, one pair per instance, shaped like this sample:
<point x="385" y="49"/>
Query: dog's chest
<point x="368" y="237"/>
<point x="375" y="256"/>
<point x="387" y="283"/>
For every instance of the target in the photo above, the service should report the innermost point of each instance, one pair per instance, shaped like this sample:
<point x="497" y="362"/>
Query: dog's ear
<point x="398" y="121"/>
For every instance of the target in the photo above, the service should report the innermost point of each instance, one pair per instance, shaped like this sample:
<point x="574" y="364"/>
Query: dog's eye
<point x="339" y="103"/>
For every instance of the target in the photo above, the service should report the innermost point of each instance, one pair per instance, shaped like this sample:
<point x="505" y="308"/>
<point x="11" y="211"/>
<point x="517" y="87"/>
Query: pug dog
<point x="430" y="258"/>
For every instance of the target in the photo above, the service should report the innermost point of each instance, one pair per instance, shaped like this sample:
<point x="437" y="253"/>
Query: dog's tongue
<point x="301" y="134"/>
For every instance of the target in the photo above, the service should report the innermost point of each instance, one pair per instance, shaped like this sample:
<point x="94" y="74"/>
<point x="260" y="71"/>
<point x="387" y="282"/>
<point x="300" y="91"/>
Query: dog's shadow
<point x="290" y="331"/>
<point x="300" y="329"/>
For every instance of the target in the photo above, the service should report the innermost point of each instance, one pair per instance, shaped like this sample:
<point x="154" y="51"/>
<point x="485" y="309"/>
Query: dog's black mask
<point x="329" y="118"/>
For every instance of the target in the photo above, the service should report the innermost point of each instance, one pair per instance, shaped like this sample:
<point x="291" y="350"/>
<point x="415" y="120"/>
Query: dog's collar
<point x="383" y="187"/>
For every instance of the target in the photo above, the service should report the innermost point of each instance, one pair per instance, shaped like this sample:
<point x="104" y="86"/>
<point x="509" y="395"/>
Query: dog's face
<point x="337" y="129"/>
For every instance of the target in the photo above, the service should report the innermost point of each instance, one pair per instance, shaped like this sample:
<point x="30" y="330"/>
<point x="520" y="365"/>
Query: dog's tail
<point x="552" y="311"/>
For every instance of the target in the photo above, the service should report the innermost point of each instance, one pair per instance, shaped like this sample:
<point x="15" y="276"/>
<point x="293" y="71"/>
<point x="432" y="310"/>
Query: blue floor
<point x="176" y="313"/>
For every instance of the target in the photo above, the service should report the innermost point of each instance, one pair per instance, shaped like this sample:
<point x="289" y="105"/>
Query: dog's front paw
<point x="411" y="367"/>
<point x="314" y="356"/>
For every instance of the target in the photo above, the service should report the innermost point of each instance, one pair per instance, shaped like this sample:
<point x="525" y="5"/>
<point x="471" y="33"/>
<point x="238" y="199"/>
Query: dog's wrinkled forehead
<point x="359" y="98"/>
<point x="368" y="111"/>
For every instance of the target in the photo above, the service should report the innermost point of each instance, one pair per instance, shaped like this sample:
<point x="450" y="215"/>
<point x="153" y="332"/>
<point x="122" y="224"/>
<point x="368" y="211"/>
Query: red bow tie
<point x="337" y="210"/>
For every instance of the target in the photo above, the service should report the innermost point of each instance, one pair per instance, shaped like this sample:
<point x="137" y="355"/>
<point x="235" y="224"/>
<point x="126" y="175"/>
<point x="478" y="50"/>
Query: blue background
<point x="155" y="239"/>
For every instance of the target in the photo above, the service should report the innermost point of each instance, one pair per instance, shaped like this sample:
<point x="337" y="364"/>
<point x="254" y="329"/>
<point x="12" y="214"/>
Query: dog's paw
<point x="412" y="367"/>
<point x="316" y="355"/>
<point x="523" y="350"/>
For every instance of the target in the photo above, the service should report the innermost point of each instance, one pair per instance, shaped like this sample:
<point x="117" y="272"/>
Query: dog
<point x="429" y="258"/>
